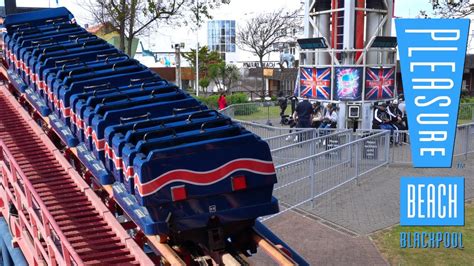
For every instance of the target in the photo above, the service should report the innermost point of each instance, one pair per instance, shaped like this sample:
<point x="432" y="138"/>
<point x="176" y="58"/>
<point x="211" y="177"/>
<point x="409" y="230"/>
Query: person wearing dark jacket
<point x="396" y="115"/>
<point x="382" y="118"/>
<point x="283" y="103"/>
<point x="317" y="115"/>
<point x="304" y="112"/>
<point x="294" y="101"/>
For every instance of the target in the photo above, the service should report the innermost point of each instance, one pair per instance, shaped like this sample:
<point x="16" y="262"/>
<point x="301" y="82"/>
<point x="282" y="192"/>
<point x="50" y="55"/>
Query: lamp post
<point x="197" y="48"/>
<point x="197" y="42"/>
<point x="178" y="47"/>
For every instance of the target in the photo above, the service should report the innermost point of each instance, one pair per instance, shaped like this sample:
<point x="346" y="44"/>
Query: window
<point x="292" y="50"/>
<point x="221" y="35"/>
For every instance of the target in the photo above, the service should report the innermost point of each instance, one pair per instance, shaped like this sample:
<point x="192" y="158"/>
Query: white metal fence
<point x="302" y="181"/>
<point x="265" y="131"/>
<point x="308" y="143"/>
<point x="400" y="152"/>
<point x="312" y="162"/>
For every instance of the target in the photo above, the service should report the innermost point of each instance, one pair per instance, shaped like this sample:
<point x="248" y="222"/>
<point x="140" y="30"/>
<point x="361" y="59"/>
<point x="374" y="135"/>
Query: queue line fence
<point x="312" y="162"/>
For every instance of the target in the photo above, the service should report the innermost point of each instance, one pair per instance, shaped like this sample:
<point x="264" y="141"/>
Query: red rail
<point x="60" y="219"/>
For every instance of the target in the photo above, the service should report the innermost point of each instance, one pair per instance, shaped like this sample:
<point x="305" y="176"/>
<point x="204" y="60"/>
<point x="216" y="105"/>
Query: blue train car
<point x="193" y="173"/>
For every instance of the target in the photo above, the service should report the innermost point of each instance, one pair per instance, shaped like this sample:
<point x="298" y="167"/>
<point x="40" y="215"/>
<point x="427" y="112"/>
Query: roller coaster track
<point x="55" y="207"/>
<point x="58" y="215"/>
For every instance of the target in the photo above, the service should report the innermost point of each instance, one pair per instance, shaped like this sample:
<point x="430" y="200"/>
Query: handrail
<point x="333" y="149"/>
<point x="49" y="218"/>
<point x="312" y="140"/>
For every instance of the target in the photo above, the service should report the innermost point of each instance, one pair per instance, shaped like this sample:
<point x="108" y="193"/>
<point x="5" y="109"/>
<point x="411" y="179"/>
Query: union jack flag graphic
<point x="379" y="83"/>
<point x="315" y="82"/>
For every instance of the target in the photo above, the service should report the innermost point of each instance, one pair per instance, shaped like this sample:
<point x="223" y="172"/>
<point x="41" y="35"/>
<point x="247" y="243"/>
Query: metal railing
<point x="464" y="144"/>
<point x="302" y="181"/>
<point x="309" y="143"/>
<point x="400" y="150"/>
<point x="32" y="210"/>
<point x="313" y="162"/>
<point x="265" y="131"/>
<point x="254" y="111"/>
<point x="299" y="135"/>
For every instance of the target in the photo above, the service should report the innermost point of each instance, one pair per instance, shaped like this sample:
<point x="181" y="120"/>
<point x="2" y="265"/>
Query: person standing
<point x="222" y="102"/>
<point x="294" y="101"/>
<point x="304" y="112"/>
<point x="283" y="103"/>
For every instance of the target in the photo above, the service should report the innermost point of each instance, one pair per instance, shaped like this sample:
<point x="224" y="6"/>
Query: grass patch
<point x="261" y="114"/>
<point x="388" y="242"/>
<point x="464" y="121"/>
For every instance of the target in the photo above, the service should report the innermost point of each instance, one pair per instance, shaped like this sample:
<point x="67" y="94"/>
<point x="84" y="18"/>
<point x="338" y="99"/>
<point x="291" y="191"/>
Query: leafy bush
<point x="210" y="101"/>
<point x="238" y="98"/>
<point x="465" y="112"/>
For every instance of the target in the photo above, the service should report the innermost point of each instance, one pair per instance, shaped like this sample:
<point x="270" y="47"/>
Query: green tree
<point x="204" y="83"/>
<point x="224" y="75"/>
<point x="207" y="60"/>
<point x="131" y="17"/>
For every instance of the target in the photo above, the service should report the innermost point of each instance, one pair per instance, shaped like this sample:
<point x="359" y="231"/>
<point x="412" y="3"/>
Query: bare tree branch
<point x="130" y="17"/>
<point x="444" y="9"/>
<point x="262" y="32"/>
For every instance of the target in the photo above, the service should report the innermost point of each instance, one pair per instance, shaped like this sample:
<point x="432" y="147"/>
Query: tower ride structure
<point x="349" y="57"/>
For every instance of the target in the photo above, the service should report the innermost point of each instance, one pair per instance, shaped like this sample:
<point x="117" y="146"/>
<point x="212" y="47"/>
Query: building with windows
<point x="221" y="37"/>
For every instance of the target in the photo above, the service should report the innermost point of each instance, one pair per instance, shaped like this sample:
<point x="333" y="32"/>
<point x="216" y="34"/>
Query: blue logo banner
<point x="432" y="201"/>
<point x="432" y="53"/>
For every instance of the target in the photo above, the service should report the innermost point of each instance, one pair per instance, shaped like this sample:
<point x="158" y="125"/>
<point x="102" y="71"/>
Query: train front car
<point x="218" y="178"/>
<point x="180" y="170"/>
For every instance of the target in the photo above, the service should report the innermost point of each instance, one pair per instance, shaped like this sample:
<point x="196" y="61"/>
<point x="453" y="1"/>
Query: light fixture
<point x="312" y="43"/>
<point x="384" y="42"/>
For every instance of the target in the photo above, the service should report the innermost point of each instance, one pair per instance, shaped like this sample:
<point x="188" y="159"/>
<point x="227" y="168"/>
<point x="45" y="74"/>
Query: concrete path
<point x="373" y="204"/>
<point x="320" y="244"/>
<point x="335" y="231"/>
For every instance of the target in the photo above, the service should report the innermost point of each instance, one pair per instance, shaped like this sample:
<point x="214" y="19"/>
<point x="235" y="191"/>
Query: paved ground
<point x="335" y="231"/>
<point x="373" y="204"/>
<point x="319" y="244"/>
<point x="356" y="210"/>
